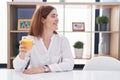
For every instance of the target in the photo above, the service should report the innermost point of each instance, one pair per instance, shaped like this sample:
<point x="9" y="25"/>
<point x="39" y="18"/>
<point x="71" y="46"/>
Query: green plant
<point x="102" y="20"/>
<point x="78" y="44"/>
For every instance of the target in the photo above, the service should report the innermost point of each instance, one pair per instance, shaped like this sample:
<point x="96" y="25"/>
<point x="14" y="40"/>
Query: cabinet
<point x="69" y="13"/>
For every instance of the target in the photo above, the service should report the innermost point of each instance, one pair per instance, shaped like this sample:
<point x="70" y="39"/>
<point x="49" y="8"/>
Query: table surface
<point x="10" y="74"/>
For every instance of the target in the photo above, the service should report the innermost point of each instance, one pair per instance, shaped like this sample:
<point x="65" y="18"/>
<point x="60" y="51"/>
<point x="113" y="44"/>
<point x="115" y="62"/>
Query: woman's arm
<point x="20" y="64"/>
<point x="67" y="61"/>
<point x="21" y="61"/>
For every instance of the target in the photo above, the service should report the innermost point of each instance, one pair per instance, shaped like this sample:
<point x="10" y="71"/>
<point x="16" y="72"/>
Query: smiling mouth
<point x="55" y="24"/>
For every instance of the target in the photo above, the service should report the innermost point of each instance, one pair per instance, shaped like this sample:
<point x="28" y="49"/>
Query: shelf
<point x="16" y="31"/>
<point x="105" y="31"/>
<point x="92" y="31"/>
<point x="84" y="61"/>
<point x="80" y="61"/>
<point x="97" y="55"/>
<point x="12" y="58"/>
<point x="16" y="10"/>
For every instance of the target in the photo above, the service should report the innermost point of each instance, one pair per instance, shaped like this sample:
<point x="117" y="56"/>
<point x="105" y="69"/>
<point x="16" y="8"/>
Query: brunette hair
<point x="36" y="27"/>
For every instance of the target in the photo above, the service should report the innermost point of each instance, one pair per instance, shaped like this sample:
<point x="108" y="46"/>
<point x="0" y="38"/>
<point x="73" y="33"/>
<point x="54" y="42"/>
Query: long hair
<point x="36" y="27"/>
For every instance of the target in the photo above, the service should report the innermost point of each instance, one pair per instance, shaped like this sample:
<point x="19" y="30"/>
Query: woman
<point x="51" y="52"/>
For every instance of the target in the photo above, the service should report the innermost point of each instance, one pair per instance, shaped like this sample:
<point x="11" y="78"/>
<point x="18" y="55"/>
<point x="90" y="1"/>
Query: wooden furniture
<point x="69" y="12"/>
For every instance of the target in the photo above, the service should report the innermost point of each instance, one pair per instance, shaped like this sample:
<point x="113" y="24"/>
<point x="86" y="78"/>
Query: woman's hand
<point x="22" y="50"/>
<point x="34" y="70"/>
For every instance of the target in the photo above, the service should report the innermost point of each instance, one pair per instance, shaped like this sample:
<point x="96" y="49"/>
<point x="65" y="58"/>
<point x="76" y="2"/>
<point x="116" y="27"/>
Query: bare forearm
<point x="35" y="70"/>
<point x="22" y="55"/>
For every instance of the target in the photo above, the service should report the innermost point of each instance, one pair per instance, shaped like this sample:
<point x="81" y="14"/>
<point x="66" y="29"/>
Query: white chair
<point x="102" y="63"/>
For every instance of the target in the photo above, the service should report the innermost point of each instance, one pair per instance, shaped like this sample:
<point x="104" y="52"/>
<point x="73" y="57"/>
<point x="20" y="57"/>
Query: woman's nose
<point x="57" y="19"/>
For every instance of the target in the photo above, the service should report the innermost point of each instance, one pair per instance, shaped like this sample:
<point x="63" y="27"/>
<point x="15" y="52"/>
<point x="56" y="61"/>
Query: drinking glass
<point x="28" y="41"/>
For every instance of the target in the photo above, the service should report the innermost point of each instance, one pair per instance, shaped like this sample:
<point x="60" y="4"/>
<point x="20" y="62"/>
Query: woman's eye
<point x="53" y="16"/>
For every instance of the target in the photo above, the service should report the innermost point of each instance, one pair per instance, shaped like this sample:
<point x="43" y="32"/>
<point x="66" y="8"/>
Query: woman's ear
<point x="43" y="20"/>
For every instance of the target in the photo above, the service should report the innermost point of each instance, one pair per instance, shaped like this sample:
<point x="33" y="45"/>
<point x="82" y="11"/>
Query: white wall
<point x="3" y="31"/>
<point x="109" y="0"/>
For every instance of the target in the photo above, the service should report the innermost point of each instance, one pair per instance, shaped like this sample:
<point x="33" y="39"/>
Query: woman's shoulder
<point x="31" y="36"/>
<point x="59" y="36"/>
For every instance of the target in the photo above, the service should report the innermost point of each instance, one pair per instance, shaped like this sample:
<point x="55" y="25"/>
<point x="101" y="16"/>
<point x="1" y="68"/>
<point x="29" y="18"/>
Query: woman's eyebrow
<point x="54" y="14"/>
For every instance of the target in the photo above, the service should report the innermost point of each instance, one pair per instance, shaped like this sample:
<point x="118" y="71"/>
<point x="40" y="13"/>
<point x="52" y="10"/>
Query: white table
<point x="10" y="74"/>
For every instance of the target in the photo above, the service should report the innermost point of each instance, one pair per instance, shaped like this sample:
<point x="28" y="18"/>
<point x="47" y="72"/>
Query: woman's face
<point x="51" y="21"/>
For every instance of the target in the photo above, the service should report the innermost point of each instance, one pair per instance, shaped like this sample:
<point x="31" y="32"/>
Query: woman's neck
<point x="47" y="38"/>
<point x="47" y="35"/>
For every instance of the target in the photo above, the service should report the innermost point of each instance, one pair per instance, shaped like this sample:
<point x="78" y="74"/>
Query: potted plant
<point x="78" y="47"/>
<point x="102" y="22"/>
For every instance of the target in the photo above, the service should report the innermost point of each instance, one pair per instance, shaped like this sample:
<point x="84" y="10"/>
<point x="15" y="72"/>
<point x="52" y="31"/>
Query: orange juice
<point x="28" y="43"/>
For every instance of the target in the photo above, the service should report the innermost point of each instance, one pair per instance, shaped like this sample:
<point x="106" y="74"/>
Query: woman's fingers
<point x="34" y="70"/>
<point x="22" y="48"/>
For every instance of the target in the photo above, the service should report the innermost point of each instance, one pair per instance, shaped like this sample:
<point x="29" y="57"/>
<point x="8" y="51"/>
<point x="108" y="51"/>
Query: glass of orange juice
<point x="28" y="42"/>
